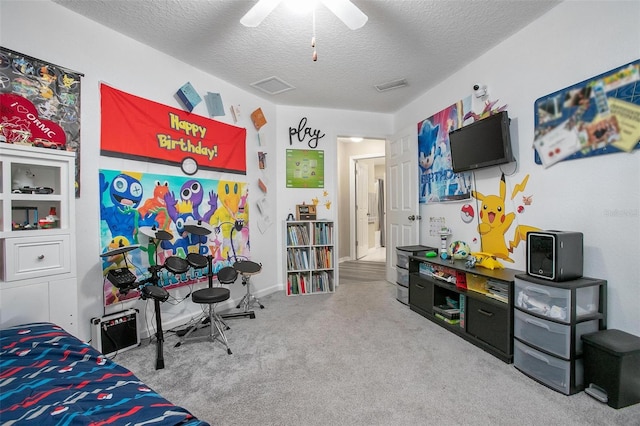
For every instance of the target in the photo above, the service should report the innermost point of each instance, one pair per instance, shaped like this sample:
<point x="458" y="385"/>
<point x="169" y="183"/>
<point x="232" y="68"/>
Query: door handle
<point x="412" y="217"/>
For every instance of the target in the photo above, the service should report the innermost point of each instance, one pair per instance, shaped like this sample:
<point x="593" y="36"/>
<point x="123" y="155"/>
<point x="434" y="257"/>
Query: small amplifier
<point x="115" y="333"/>
<point x="555" y="255"/>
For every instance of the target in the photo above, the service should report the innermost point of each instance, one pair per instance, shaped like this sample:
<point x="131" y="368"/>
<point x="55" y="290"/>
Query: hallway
<point x="377" y="254"/>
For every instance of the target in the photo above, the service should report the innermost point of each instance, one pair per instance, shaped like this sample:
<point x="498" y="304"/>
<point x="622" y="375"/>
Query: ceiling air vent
<point x="395" y="84"/>
<point x="272" y="85"/>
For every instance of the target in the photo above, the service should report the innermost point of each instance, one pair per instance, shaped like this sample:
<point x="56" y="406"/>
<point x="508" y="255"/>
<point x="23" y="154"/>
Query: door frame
<point x="352" y="198"/>
<point x="362" y="203"/>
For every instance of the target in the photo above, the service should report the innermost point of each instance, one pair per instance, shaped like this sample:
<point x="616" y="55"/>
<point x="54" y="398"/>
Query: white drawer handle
<point x="535" y="355"/>
<point x="538" y="290"/>
<point x="537" y="324"/>
<point x="41" y="257"/>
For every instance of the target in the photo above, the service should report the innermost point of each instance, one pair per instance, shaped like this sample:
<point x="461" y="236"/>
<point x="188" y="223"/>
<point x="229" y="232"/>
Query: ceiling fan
<point x="343" y="9"/>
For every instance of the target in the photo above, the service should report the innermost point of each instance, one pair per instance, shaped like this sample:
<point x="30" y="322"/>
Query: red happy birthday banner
<point x="139" y="129"/>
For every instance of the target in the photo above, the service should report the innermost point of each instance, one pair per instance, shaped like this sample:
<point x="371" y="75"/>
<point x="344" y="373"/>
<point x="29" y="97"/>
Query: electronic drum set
<point x="124" y="280"/>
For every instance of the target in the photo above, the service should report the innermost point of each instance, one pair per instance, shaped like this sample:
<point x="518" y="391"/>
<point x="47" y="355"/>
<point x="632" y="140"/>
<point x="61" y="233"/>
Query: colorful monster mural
<point x="130" y="200"/>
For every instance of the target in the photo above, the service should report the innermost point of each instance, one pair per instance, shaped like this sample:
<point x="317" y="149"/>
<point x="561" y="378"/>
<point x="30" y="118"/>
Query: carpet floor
<point x="354" y="357"/>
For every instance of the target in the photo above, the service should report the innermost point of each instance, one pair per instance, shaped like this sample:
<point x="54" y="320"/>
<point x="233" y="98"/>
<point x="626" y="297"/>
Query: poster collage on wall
<point x="39" y="104"/>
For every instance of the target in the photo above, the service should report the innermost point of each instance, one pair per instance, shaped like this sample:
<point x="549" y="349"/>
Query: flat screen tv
<point x="484" y="143"/>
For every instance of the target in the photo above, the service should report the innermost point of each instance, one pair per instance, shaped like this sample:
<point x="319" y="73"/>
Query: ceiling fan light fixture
<point x="395" y="84"/>
<point x="272" y="85"/>
<point x="346" y="11"/>
<point x="300" y="7"/>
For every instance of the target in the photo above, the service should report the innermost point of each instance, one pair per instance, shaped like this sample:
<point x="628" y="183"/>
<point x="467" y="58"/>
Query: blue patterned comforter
<point x="49" y="377"/>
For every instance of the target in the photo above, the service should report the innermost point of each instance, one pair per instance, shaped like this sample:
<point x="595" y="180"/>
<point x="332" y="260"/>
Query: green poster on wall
<point x="305" y="168"/>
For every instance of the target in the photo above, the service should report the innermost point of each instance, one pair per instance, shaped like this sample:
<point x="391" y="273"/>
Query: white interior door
<point x="362" y="209"/>
<point x="402" y="195"/>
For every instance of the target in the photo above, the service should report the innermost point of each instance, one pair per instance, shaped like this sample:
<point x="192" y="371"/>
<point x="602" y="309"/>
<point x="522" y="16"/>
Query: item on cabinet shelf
<point x="555" y="255"/>
<point x="431" y="254"/>
<point x="42" y="190"/>
<point x="447" y="311"/>
<point x="50" y="221"/>
<point x="459" y="250"/>
<point x="28" y="223"/>
<point x="487" y="260"/>
<point x="444" y="234"/>
<point x="22" y="177"/>
<point x="447" y="320"/>
<point x="451" y="302"/>
<point x="305" y="212"/>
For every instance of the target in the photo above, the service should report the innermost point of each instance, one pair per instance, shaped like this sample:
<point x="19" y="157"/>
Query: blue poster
<point x="438" y="182"/>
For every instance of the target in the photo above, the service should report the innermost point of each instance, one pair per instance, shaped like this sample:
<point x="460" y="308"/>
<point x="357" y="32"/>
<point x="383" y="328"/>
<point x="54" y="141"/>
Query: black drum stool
<point x="211" y="296"/>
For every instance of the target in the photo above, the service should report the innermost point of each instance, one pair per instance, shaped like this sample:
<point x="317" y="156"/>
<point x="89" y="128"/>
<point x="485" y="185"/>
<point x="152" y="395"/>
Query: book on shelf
<point x="447" y="311"/>
<point x="296" y="284"/>
<point x="448" y="320"/>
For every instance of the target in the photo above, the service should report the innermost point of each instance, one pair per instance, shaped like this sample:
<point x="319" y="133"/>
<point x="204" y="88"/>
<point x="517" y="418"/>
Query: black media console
<point x="483" y="296"/>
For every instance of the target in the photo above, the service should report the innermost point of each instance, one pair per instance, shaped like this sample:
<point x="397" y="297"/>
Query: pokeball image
<point x="466" y="213"/>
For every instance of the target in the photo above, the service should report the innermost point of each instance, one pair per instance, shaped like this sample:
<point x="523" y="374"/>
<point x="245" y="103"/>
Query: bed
<point x="49" y="377"/>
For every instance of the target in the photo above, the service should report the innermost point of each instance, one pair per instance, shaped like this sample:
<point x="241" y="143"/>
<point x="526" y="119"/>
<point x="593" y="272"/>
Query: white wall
<point x="67" y="39"/>
<point x="561" y="48"/>
<point x="332" y="123"/>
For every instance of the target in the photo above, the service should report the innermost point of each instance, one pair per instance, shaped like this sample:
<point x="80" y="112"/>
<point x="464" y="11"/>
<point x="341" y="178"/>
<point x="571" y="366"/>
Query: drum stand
<point x="247" y="269"/>
<point x="246" y="312"/>
<point x="158" y="294"/>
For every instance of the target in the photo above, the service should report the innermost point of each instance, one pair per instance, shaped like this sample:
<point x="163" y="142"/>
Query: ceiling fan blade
<point x="258" y="12"/>
<point x="347" y="12"/>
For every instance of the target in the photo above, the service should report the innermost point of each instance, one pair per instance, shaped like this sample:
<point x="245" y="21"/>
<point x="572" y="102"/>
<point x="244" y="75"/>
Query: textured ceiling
<point x="420" y="41"/>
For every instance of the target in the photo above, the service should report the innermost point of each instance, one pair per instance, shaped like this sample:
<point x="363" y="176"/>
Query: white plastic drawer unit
<point x="402" y="259"/>
<point x="551" y="336"/>
<point x="556" y="301"/>
<point x="33" y="257"/>
<point x="402" y="277"/>
<point x="553" y="372"/>
<point x="402" y="294"/>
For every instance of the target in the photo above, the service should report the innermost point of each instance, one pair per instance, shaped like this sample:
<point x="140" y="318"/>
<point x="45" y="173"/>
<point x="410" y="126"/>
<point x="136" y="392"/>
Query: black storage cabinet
<point x="612" y="364"/>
